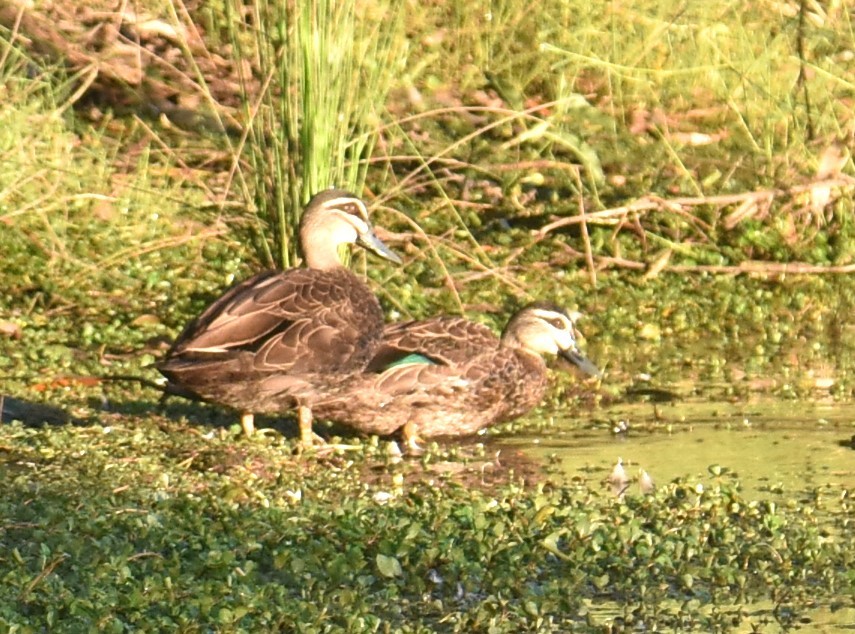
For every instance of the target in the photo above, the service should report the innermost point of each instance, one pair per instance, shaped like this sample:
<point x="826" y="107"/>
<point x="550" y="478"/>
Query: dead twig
<point x="605" y="261"/>
<point x="748" y="267"/>
<point x="645" y="204"/>
<point x="759" y="267"/>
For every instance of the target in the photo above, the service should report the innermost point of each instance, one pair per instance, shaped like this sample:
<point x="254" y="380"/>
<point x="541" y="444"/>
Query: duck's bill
<point x="370" y="241"/>
<point x="581" y="362"/>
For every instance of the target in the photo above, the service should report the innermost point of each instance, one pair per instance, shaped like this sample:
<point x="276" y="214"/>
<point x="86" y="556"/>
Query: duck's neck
<point x="534" y="359"/>
<point x="321" y="249"/>
<point x="321" y="242"/>
<point x="510" y="340"/>
<point x="324" y="259"/>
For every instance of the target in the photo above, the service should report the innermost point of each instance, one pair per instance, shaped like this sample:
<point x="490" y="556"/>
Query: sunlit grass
<point x="500" y="111"/>
<point x="314" y="79"/>
<point x="85" y="213"/>
<point x="668" y="100"/>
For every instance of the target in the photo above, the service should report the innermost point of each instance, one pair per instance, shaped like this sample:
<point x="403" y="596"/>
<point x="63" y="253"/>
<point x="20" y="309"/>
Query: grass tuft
<point x="314" y="81"/>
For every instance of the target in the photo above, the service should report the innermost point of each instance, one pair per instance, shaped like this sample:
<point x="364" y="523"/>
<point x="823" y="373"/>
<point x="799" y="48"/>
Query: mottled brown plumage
<point x="462" y="379"/>
<point x="276" y="325"/>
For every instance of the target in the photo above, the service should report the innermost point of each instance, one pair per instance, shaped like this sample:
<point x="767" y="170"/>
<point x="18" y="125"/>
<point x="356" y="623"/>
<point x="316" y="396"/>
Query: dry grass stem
<point x="586" y="237"/>
<point x="648" y="203"/>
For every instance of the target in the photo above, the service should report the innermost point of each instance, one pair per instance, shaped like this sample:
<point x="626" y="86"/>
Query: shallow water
<point x="770" y="444"/>
<point x="761" y="617"/>
<point x="776" y="449"/>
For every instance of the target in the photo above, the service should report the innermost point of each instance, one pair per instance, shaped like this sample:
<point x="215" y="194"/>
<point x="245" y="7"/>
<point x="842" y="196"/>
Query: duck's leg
<point x="410" y="433"/>
<point x="304" y="419"/>
<point x="247" y="421"/>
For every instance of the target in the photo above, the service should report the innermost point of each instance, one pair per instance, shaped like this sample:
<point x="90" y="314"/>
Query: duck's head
<point x="332" y="218"/>
<point x="544" y="328"/>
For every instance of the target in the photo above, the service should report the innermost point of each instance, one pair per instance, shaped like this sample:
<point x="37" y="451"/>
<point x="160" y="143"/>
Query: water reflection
<point x="769" y="444"/>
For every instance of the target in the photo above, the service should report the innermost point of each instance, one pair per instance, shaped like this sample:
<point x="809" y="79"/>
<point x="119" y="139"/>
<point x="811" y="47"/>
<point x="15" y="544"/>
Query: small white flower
<point x="381" y="497"/>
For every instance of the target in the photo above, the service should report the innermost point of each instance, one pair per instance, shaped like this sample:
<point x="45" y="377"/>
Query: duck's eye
<point x="354" y="209"/>
<point x="558" y="324"/>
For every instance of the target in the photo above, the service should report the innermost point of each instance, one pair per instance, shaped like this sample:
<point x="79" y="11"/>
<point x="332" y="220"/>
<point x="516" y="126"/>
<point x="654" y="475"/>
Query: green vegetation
<point x="204" y="532"/>
<point x="311" y="123"/>
<point x="698" y="140"/>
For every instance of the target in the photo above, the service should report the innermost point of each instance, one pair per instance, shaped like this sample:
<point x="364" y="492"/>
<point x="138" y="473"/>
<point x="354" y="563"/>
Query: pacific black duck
<point x="448" y="376"/>
<point x="286" y="325"/>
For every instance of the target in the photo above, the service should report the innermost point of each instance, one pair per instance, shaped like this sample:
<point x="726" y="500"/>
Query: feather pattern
<point x="444" y="340"/>
<point x="475" y="379"/>
<point x="276" y="332"/>
<point x="299" y="321"/>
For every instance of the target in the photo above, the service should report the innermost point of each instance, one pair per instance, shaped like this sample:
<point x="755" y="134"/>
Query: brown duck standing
<point x="448" y="376"/>
<point x="286" y="325"/>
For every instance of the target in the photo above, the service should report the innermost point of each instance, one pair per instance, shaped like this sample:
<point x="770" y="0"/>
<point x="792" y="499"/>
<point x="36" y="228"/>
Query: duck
<point x="285" y="325"/>
<point x="449" y="376"/>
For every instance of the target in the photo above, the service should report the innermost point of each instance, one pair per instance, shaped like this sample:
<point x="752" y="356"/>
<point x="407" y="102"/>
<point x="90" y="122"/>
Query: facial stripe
<point x="556" y="320"/>
<point x="348" y="205"/>
<point x="358" y="224"/>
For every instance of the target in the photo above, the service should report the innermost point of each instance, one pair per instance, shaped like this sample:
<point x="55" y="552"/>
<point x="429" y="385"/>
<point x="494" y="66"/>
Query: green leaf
<point x="389" y="566"/>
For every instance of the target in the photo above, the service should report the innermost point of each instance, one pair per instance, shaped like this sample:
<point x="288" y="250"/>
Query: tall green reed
<point x="314" y="76"/>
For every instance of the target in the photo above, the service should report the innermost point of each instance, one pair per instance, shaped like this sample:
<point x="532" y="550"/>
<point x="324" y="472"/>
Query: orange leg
<point x="410" y="432"/>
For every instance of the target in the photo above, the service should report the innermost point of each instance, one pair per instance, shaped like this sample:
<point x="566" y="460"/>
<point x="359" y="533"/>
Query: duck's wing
<point x="443" y="340"/>
<point x="430" y="379"/>
<point x="242" y="315"/>
<point x="298" y="320"/>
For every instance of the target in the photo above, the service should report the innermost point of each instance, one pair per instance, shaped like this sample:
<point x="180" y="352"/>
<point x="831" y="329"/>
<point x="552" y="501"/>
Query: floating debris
<point x="645" y="483"/>
<point x="618" y="480"/>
